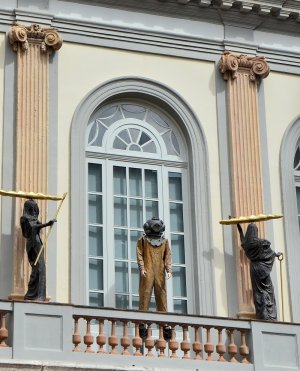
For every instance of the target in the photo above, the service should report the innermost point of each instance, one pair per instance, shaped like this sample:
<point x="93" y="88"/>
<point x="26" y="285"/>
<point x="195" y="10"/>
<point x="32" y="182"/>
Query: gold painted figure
<point x="154" y="261"/>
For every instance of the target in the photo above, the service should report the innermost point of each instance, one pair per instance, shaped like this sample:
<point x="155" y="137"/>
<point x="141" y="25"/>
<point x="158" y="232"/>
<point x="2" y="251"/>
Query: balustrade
<point x="121" y="335"/>
<point x="3" y="330"/>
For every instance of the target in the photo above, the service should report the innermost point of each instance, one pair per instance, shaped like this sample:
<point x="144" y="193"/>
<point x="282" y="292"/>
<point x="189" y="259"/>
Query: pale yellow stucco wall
<point x="81" y="69"/>
<point x="282" y="92"/>
<point x="2" y="59"/>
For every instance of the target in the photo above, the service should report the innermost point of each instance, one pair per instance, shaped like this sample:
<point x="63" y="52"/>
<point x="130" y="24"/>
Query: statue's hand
<point x="279" y="255"/>
<point x="143" y="273"/>
<point x="169" y="275"/>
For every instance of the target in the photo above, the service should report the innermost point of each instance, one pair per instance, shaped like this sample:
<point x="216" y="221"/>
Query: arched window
<point x="138" y="150"/>
<point x="297" y="178"/>
<point x="136" y="164"/>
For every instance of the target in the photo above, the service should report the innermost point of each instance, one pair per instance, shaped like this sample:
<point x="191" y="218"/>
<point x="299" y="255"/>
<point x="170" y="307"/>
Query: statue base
<point x="246" y="315"/>
<point x="20" y="297"/>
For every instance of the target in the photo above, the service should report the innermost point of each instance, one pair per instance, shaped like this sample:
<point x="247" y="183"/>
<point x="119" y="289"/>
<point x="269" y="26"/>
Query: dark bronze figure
<point x="31" y="227"/>
<point x="261" y="257"/>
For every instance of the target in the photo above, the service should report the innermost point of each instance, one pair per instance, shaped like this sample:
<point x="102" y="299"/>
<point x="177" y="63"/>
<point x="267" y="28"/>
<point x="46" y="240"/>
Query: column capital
<point x="22" y="35"/>
<point x="257" y="67"/>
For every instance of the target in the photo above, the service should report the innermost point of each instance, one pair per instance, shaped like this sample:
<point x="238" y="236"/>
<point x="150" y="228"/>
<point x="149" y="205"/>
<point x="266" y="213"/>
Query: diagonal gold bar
<point x="250" y="219"/>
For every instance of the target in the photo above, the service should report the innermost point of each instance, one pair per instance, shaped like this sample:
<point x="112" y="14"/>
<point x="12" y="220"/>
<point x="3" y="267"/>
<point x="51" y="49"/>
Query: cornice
<point x="230" y="64"/>
<point x="22" y="35"/>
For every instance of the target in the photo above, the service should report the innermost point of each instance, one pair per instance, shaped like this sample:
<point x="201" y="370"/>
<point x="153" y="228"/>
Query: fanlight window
<point x="297" y="178"/>
<point x="139" y="127"/>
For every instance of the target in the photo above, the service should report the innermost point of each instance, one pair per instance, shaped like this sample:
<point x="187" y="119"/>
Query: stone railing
<point x="124" y="339"/>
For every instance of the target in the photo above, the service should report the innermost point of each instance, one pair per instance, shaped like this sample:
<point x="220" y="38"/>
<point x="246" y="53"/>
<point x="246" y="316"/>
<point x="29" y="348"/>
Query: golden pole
<point x="50" y="229"/>
<point x="280" y="258"/>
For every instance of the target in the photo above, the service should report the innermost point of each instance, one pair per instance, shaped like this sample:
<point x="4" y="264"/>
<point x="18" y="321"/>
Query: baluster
<point x="185" y="344"/>
<point x="125" y="341"/>
<point x="161" y="342"/>
<point x="173" y="343"/>
<point x="113" y="340"/>
<point x="149" y="342"/>
<point x="232" y="348"/>
<point x="244" y="350"/>
<point x="220" y="348"/>
<point x="197" y="346"/>
<point x="88" y="339"/>
<point x="76" y="338"/>
<point x="137" y="341"/>
<point x="101" y="338"/>
<point x="208" y="346"/>
<point x="3" y="331"/>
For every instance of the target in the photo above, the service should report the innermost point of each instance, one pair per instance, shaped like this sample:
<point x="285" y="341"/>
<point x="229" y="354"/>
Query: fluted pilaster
<point x="33" y="46"/>
<point x="242" y="74"/>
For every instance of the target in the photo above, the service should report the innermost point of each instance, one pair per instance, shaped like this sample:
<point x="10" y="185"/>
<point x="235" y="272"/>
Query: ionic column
<point x="243" y="73"/>
<point x="33" y="46"/>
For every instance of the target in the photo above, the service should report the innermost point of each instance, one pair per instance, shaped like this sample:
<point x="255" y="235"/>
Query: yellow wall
<point x="2" y="59"/>
<point x="81" y="69"/>
<point x="282" y="92"/>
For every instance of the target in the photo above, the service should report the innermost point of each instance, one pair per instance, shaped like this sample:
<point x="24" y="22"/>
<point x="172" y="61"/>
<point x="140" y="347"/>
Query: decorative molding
<point x="230" y="63"/>
<point x="48" y="38"/>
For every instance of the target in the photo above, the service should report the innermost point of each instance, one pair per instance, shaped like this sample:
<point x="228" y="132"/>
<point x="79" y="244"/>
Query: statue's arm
<point x="242" y="237"/>
<point x="43" y="225"/>
<point x="168" y="260"/>
<point x="139" y="257"/>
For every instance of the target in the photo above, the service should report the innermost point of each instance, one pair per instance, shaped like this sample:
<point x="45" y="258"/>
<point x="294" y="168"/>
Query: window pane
<point x="298" y="199"/>
<point x="96" y="299"/>
<point x="134" y="236"/>
<point x="135" y="182"/>
<point x="120" y="211"/>
<point x="96" y="274"/>
<point x="95" y="209"/>
<point x="136" y="213"/>
<point x="119" y="144"/>
<point x="175" y="189"/>
<point x="151" y="183"/>
<point x="121" y="244"/>
<point x="122" y="301"/>
<point x="134" y="134"/>
<point x="125" y="136"/>
<point x="179" y="282"/>
<point x="95" y="178"/>
<point x="135" y="304"/>
<point x="135" y="278"/>
<point x="149" y="147"/>
<point x="120" y="180"/>
<point x="121" y="271"/>
<point x="177" y="243"/>
<point x="144" y="138"/>
<point x="95" y="241"/>
<point x="180" y="306"/>
<point x="176" y="217"/>
<point x="151" y="209"/>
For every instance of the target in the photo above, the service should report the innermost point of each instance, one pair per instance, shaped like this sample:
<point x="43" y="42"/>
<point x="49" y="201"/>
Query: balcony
<point x="63" y="337"/>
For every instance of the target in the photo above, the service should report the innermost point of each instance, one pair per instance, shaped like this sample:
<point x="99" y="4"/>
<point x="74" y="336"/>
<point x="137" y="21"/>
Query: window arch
<point x="289" y="157"/>
<point x="167" y="102"/>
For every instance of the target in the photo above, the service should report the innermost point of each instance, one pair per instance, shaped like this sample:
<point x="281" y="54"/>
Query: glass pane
<point x="298" y="199"/>
<point x="120" y="211"/>
<point x="151" y="209"/>
<point x="297" y="159"/>
<point x="95" y="178"/>
<point x="135" y="278"/>
<point x="179" y="281"/>
<point x="152" y="306"/>
<point x="120" y="180"/>
<point x="96" y="274"/>
<point x="95" y="241"/>
<point x="177" y="244"/>
<point x="176" y="217"/>
<point x="144" y="138"/>
<point x="95" y="209"/>
<point x="121" y="271"/>
<point x="121" y="244"/>
<point x="175" y="189"/>
<point x="149" y="147"/>
<point x="151" y="183"/>
<point x="175" y="143"/>
<point x="135" y="302"/>
<point x="180" y="306"/>
<point x="96" y="299"/>
<point x="125" y="136"/>
<point x="119" y="144"/>
<point x="135" y="182"/>
<point x="122" y="301"/>
<point x="134" y="236"/>
<point x="134" y="110"/>
<point x="134" y="133"/>
<point x="136" y="213"/>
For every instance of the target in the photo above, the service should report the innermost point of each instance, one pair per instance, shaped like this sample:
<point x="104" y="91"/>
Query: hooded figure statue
<point x="154" y="261"/>
<point x="261" y="257"/>
<point x="31" y="227"/>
